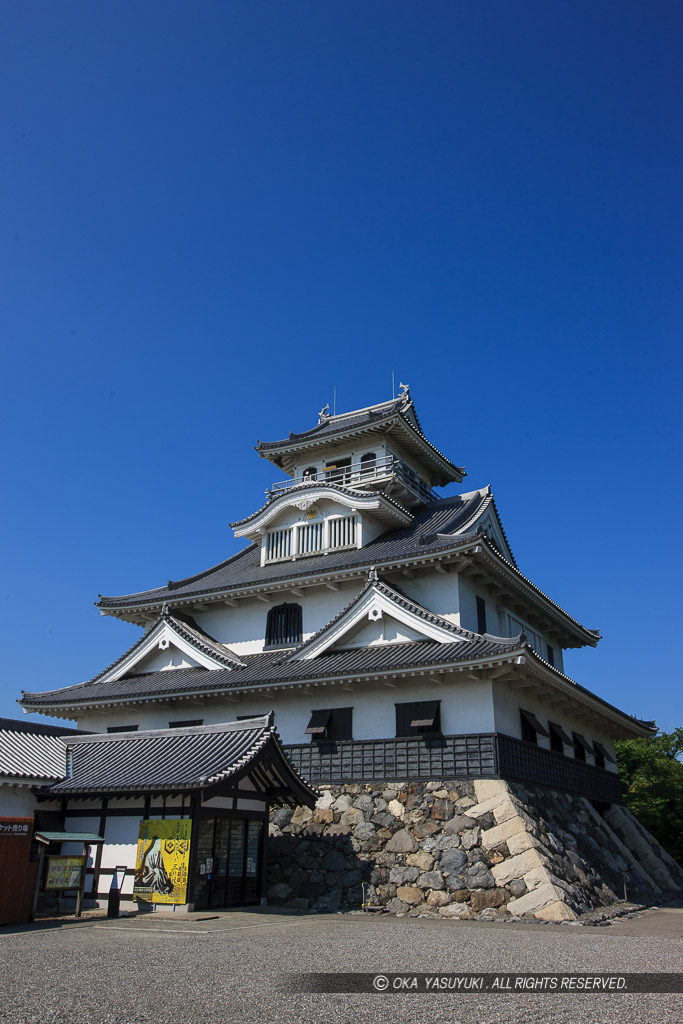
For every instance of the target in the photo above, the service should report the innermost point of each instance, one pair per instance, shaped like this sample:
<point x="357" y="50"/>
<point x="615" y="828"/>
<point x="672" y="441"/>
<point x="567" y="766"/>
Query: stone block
<point x="486" y="789"/>
<point x="397" y="906"/>
<point x="459" y="824"/>
<point x="452" y="861"/>
<point x="483" y="898"/>
<point x="515" y="867"/>
<point x="557" y="911"/>
<point x="476" y="810"/>
<point x="282" y="816"/>
<point x="442" y="809"/>
<point x="469" y="839"/>
<point x="520" y="842"/>
<point x="400" y="875"/>
<point x="363" y="831"/>
<point x="430" y="880"/>
<point x="324" y="802"/>
<point x="534" y="901"/>
<point x="352" y="816"/>
<point x="422" y="860"/>
<point x="438" y="898"/>
<point x="401" y="842"/>
<point x="410" y="894"/>
<point x="338" y="830"/>
<point x="301" y="815"/>
<point x="325" y="815"/>
<point x="396" y="808"/>
<point x="342" y="803"/>
<point x="479" y="877"/>
<point x="456" y="910"/>
<point x="491" y="837"/>
<point x="504" y="811"/>
<point x="461" y="895"/>
<point x="517" y="887"/>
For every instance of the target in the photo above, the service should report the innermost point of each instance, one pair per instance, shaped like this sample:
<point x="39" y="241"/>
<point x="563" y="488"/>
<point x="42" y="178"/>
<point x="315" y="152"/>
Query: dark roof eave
<point x="299" y="442"/>
<point x="462" y="546"/>
<point x="417" y="668"/>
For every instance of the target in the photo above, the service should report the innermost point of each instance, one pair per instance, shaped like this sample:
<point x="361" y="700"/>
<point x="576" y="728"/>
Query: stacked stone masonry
<point x="461" y="848"/>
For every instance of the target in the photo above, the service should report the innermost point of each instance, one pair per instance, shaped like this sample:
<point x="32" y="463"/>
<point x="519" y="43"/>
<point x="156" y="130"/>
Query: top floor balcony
<point x="386" y="473"/>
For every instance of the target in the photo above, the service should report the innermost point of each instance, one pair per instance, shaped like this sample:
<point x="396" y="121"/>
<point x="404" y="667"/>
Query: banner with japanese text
<point x="163" y="859"/>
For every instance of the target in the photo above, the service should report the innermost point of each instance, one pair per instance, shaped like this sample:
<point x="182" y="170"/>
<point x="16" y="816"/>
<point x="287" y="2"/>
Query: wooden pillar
<point x="100" y="847"/>
<point x="263" y="880"/>
<point x="195" y="805"/>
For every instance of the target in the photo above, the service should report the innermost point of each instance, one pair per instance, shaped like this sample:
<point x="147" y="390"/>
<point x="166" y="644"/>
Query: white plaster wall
<point x="466" y="707"/>
<point x="495" y="618"/>
<point x="243" y="629"/>
<point x="120" y="847"/>
<point x="433" y="590"/>
<point x="507" y="704"/>
<point x="16" y="801"/>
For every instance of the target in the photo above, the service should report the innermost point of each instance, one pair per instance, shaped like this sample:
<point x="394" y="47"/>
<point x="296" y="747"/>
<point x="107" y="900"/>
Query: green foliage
<point x="652" y="782"/>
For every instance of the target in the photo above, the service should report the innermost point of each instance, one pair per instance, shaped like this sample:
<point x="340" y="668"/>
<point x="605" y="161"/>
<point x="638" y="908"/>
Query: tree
<point x="652" y="784"/>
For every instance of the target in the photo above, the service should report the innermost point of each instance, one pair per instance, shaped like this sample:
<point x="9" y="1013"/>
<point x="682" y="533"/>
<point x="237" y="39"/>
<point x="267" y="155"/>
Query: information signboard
<point x="64" y="872"/>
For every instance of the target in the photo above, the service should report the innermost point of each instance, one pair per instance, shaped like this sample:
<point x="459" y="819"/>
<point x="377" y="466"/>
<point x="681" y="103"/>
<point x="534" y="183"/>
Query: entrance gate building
<point x="185" y="810"/>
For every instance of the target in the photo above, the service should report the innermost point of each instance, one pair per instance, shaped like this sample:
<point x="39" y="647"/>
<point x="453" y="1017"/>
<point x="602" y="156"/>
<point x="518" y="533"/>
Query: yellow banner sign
<point x="163" y="861"/>
<point x="64" y="872"/>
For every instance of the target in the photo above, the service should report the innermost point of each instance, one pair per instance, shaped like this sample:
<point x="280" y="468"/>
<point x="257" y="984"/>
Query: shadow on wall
<point x="322" y="873"/>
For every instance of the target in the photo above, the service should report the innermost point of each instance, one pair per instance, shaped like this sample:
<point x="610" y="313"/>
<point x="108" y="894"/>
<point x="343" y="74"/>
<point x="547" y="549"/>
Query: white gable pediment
<point x="379" y="615"/>
<point x="169" y="644"/>
<point x="162" y="658"/>
<point x="370" y="632"/>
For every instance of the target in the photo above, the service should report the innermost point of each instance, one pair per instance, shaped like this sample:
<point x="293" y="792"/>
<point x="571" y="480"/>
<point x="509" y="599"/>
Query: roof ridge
<point x="353" y="492"/>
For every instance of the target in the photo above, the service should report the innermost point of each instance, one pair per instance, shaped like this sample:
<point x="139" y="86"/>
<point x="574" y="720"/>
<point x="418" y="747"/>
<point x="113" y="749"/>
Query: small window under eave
<point x="318" y="723"/>
<point x="581" y="742"/>
<point x="603" y="750"/>
<point x="562" y="734"/>
<point x="539" y="729"/>
<point x="426" y="716"/>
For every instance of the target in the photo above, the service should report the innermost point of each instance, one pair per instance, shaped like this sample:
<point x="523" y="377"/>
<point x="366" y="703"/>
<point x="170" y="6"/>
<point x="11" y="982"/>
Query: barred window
<point x="284" y="625"/>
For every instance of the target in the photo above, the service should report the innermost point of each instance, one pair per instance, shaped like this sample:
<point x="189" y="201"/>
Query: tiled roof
<point x="35" y="754"/>
<point x="329" y="427"/>
<point x="396" y="596"/>
<point x="244" y="568"/>
<point x="434" y="532"/>
<point x="198" y="758"/>
<point x="269" y="668"/>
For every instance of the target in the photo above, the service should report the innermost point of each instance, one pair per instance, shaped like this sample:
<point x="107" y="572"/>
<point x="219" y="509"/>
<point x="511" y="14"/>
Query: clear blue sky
<point x="213" y="213"/>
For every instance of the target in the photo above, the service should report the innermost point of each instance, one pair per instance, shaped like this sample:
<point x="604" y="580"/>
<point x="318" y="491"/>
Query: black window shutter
<point x="284" y="625"/>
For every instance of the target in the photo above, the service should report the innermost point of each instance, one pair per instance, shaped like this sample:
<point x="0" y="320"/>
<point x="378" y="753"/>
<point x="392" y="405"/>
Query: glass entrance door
<point x="228" y="862"/>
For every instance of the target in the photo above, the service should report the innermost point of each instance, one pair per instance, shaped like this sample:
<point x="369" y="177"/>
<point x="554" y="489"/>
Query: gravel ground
<point x="231" y="968"/>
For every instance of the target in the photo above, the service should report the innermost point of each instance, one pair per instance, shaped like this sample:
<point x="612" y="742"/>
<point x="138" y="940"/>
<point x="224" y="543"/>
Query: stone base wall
<point x="460" y="848"/>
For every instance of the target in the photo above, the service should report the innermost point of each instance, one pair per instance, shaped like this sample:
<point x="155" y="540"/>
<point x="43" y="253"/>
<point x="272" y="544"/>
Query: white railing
<point x="311" y="538"/>
<point x="360" y="474"/>
<point x="278" y="545"/>
<point x="342" y="532"/>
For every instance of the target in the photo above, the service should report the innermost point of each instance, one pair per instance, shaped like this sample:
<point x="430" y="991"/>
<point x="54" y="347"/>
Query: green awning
<point x="69" y="837"/>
